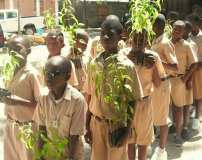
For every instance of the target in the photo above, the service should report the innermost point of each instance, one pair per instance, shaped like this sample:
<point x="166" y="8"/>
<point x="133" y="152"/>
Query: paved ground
<point x="191" y="150"/>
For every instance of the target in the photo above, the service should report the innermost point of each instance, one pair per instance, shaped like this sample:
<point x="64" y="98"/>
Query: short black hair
<point x="194" y="19"/>
<point x="60" y="63"/>
<point x="179" y="23"/>
<point x="30" y="25"/>
<point x="160" y="20"/>
<point x="113" y="25"/>
<point x="81" y="34"/>
<point x="112" y="17"/>
<point x="188" y="24"/>
<point x="173" y="15"/>
<point x="55" y="34"/>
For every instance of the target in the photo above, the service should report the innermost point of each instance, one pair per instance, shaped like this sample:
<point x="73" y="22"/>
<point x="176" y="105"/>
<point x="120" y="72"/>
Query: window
<point x="11" y="15"/>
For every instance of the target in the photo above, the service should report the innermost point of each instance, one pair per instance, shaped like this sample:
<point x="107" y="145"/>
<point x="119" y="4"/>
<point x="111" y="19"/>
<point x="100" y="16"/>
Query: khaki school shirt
<point x="25" y="84"/>
<point x="97" y="105"/>
<point x="166" y="51"/>
<point x="66" y="115"/>
<point x="198" y="40"/>
<point x="146" y="74"/>
<point x="185" y="55"/>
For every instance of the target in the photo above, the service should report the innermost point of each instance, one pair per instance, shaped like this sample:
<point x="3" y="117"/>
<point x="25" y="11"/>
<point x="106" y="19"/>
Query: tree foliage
<point x="53" y="148"/>
<point x="143" y="15"/>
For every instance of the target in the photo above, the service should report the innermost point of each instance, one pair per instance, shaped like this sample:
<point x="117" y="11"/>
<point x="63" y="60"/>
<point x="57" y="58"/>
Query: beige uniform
<point x="100" y="127"/>
<point x="143" y="113"/>
<point x="66" y="115"/>
<point x="197" y="76"/>
<point x="161" y="95"/>
<point x="181" y="96"/>
<point x="80" y="69"/>
<point x="25" y="84"/>
<point x="96" y="46"/>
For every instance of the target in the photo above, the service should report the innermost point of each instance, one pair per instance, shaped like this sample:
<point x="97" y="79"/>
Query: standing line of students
<point x="167" y="73"/>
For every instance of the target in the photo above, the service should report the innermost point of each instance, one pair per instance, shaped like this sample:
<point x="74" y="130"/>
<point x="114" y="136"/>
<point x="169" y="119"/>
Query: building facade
<point x="30" y="7"/>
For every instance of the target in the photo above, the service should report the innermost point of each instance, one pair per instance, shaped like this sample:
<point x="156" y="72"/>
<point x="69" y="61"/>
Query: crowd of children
<point x="165" y="75"/>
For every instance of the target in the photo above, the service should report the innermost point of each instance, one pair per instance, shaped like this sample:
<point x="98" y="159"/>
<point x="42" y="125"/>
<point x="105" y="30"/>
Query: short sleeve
<point x="78" y="118"/>
<point x="159" y="67"/>
<point x="39" y="115"/>
<point x="36" y="85"/>
<point x="73" y="81"/>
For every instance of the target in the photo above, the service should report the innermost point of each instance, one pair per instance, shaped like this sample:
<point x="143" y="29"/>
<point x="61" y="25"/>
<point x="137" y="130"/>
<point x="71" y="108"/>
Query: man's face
<point x="178" y="32"/>
<point x="109" y="39"/>
<point x="195" y="29"/>
<point x="21" y="49"/>
<point x="82" y="44"/>
<point x="155" y="28"/>
<point x="54" y="45"/>
<point x="55" y="78"/>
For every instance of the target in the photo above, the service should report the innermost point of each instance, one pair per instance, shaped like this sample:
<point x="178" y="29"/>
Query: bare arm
<point x="189" y="72"/>
<point x="15" y="100"/>
<point x="73" y="142"/>
<point x="156" y="78"/>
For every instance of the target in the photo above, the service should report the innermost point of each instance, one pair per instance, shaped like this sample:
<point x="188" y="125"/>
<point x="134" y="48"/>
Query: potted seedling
<point x="53" y="148"/>
<point x="10" y="64"/>
<point x="70" y="25"/>
<point x="143" y="15"/>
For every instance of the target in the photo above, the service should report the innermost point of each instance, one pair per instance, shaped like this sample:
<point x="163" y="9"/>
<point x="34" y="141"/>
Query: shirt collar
<point x="66" y="95"/>
<point x="199" y="33"/>
<point x="158" y="39"/>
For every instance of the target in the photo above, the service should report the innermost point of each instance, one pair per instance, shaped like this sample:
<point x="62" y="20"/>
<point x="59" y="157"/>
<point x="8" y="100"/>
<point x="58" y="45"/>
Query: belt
<point x="102" y="119"/>
<point x="171" y="76"/>
<point x="165" y="78"/>
<point x="177" y="76"/>
<point x="18" y="122"/>
<point x="146" y="97"/>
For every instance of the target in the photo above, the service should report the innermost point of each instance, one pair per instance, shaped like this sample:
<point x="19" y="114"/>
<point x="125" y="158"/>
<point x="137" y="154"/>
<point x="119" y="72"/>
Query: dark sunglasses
<point x="53" y="74"/>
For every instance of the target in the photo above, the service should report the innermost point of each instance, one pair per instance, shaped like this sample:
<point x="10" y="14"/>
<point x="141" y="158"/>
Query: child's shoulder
<point x="30" y="70"/>
<point x="148" y="51"/>
<point x="75" y="94"/>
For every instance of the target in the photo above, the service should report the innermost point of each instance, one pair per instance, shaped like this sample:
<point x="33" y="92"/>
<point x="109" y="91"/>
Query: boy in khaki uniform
<point x="55" y="43"/>
<point x="150" y="75"/>
<point x="77" y="56"/>
<point x="161" y="95"/>
<point x="20" y="106"/>
<point x="62" y="108"/>
<point x="186" y="113"/>
<point x="197" y="76"/>
<point x="100" y="113"/>
<point x="179" y="91"/>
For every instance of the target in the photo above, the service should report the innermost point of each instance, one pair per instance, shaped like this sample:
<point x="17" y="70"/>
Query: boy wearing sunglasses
<point x="62" y="108"/>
